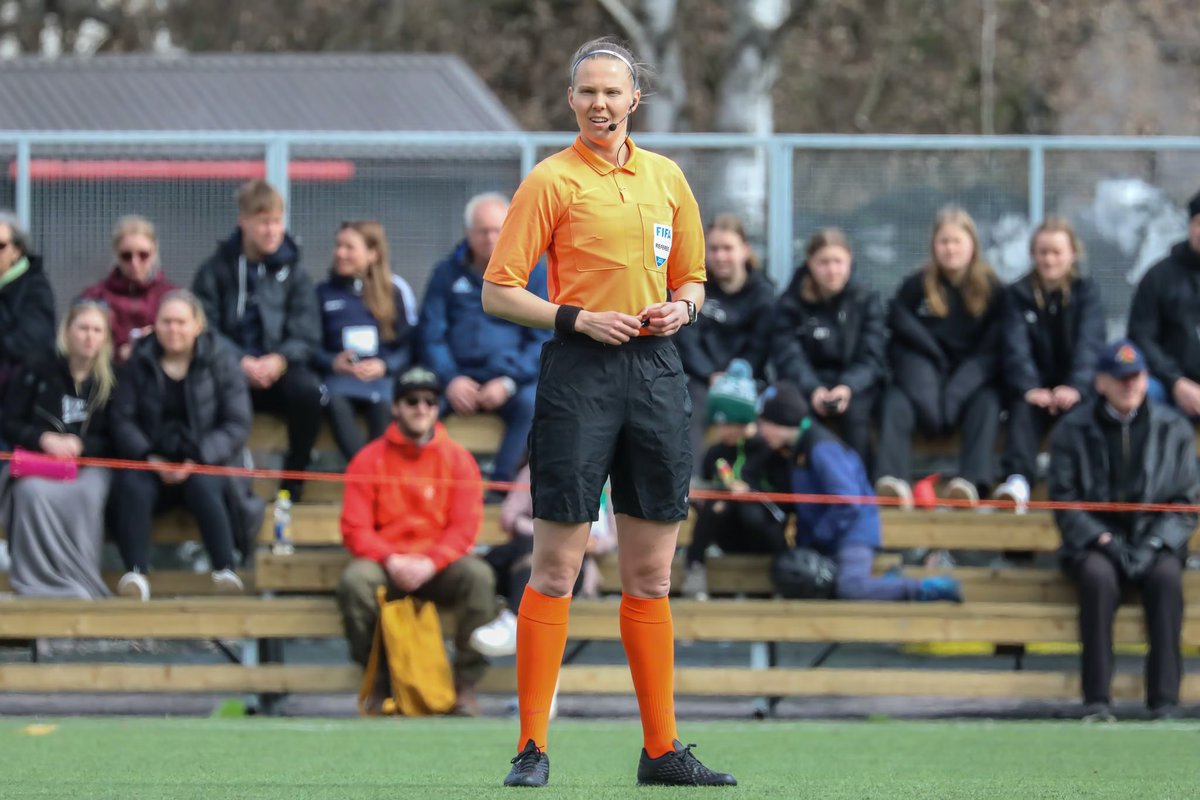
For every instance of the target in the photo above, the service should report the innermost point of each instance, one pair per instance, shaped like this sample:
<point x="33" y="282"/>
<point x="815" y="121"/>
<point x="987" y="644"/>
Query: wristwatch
<point x="691" y="307"/>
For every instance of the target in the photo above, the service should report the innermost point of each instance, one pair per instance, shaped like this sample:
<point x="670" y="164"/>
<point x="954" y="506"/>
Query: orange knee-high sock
<point x="649" y="639"/>
<point x="541" y="639"/>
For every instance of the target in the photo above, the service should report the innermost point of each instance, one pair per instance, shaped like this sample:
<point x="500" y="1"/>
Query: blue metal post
<point x="277" y="172"/>
<point x="1037" y="183"/>
<point x="779" y="212"/>
<point x="24" y="198"/>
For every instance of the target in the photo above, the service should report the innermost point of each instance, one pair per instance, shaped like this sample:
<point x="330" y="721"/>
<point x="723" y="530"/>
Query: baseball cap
<point x="1121" y="359"/>
<point x="414" y="379"/>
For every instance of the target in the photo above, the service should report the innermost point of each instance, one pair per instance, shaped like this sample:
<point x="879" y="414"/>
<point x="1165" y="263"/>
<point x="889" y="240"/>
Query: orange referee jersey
<point x="617" y="238"/>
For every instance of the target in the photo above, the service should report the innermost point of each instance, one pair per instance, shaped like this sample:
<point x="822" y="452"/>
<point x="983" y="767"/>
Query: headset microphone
<point x="612" y="126"/>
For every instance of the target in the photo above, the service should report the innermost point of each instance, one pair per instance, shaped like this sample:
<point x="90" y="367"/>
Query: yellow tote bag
<point x="408" y="642"/>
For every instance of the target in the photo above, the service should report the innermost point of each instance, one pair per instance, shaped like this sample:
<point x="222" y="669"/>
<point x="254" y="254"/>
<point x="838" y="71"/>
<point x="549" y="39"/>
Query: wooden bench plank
<point x="480" y="434"/>
<point x="165" y="583"/>
<point x="589" y="680"/>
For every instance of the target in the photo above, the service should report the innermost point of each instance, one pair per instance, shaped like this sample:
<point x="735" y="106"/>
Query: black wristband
<point x="564" y="320"/>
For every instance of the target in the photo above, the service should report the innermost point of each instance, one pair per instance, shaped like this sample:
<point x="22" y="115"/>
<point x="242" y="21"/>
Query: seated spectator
<point x="26" y="304"/>
<point x="512" y="565"/>
<point x="733" y="322"/>
<point x="1119" y="449"/>
<point x="828" y="338"/>
<point x="59" y="408"/>
<point x="181" y="401"/>
<point x="368" y="319"/>
<point x="1053" y="333"/>
<point x="792" y="452"/>
<point x="134" y="287"/>
<point x="259" y="299"/>
<point x="415" y="535"/>
<point x="946" y="324"/>
<point x="1164" y="318"/>
<point x="487" y="364"/>
<point x="736" y="461"/>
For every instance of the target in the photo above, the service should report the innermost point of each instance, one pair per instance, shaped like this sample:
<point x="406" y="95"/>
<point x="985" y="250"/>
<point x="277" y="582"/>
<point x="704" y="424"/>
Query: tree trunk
<point x="652" y="29"/>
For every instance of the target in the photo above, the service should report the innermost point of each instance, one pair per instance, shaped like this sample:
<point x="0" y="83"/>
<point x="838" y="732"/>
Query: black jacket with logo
<point x="1054" y="343"/>
<point x="729" y="326"/>
<point x="26" y="321"/>
<point x="45" y="399"/>
<point x="1164" y="320"/>
<point x="1081" y="469"/>
<point x="283" y="294"/>
<point x="830" y="342"/>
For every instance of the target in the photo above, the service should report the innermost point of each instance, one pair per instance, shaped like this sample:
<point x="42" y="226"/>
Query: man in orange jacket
<point x="414" y="534"/>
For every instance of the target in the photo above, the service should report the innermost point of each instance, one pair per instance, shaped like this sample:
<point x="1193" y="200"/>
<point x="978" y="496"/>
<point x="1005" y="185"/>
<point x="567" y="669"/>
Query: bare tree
<point x="652" y="29"/>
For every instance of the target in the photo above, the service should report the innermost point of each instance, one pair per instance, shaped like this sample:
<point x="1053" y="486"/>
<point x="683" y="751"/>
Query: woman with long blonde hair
<point x="368" y="318"/>
<point x="58" y="410"/>
<point x="946" y="326"/>
<point x="1053" y="334"/>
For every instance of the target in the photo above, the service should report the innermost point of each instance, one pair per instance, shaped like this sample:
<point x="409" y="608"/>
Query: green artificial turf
<point x="297" y="759"/>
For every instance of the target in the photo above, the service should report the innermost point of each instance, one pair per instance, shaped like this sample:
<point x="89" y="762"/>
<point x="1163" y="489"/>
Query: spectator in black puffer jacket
<point x="1164" y="321"/>
<point x="26" y="304"/>
<point x="945" y="357"/>
<point x="181" y="399"/>
<point x="1119" y="448"/>
<point x="734" y="321"/>
<point x="1053" y="333"/>
<point x="828" y="338"/>
<point x="258" y="298"/>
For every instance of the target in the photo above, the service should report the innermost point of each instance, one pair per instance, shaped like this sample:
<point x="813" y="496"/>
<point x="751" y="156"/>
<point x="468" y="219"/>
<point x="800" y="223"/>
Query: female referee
<point x="620" y="228"/>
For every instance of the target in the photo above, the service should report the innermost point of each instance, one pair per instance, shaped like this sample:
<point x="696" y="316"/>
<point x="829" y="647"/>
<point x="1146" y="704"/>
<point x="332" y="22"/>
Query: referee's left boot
<point x="531" y="767"/>
<point x="679" y="768"/>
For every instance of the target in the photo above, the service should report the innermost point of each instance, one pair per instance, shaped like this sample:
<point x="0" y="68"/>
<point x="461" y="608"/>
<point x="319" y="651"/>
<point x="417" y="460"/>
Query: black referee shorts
<point x="606" y="410"/>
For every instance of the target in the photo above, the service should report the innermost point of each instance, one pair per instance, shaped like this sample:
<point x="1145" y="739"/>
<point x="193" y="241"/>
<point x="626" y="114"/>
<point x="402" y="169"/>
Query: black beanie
<point x="1194" y="205"/>
<point x="784" y="405"/>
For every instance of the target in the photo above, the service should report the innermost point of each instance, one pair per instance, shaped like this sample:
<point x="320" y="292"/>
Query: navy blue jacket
<point x="825" y="465"/>
<point x="457" y="337"/>
<point x="342" y="307"/>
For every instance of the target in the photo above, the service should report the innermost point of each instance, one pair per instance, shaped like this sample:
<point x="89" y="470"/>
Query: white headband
<point x="614" y="54"/>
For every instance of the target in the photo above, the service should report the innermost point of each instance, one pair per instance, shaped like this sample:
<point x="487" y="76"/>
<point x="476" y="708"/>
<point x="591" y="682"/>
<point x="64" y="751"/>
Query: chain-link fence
<point x="1124" y="196"/>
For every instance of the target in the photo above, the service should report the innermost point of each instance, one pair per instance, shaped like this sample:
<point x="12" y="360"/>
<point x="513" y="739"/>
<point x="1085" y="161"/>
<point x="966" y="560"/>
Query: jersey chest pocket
<point x="599" y="235"/>
<point x="657" y="231"/>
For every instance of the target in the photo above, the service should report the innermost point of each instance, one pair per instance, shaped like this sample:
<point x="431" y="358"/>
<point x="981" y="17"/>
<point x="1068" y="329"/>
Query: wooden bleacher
<point x="289" y="597"/>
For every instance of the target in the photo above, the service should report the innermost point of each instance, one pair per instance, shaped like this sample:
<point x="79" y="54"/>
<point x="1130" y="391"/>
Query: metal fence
<point x="1124" y="194"/>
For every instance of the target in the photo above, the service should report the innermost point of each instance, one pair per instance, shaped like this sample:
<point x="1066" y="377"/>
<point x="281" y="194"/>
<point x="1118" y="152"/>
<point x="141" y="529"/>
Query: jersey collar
<point x="602" y="167"/>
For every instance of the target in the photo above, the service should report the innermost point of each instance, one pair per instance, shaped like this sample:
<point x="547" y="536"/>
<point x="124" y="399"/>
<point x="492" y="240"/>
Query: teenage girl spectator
<point x="1053" y="333"/>
<point x="181" y="399"/>
<point x="368" y="316"/>
<point x="828" y="338"/>
<point x="134" y="287"/>
<point x="946" y="324"/>
<point x="26" y="303"/>
<point x="59" y="408"/>
<point x="733" y="322"/>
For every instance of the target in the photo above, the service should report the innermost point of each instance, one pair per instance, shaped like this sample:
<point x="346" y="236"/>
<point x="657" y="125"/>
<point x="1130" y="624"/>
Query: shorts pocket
<point x="598" y="235"/>
<point x="657" y="231"/>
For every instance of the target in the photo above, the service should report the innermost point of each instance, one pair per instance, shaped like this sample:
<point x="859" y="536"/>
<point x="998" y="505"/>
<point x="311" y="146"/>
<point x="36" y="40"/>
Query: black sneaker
<point x="531" y="767"/>
<point x="679" y="768"/>
<point x="1098" y="713"/>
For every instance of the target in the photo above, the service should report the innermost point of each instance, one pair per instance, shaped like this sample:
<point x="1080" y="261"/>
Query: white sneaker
<point x="695" y="582"/>
<point x="1016" y="488"/>
<point x="135" y="585"/>
<point x="226" y="581"/>
<point x="962" y="489"/>
<point x="889" y="486"/>
<point x="498" y="638"/>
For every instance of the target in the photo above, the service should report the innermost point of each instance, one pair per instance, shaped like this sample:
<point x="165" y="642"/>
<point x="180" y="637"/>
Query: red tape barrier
<point x="695" y="494"/>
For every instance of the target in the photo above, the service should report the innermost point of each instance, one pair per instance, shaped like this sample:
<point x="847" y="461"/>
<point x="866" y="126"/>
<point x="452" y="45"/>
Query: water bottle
<point x="282" y="546"/>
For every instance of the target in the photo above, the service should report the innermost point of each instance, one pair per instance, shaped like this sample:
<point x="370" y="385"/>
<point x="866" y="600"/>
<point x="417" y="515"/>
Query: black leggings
<point x="297" y="398"/>
<point x="513" y="567"/>
<point x="346" y="432"/>
<point x="137" y="496"/>
<point x="736" y="527"/>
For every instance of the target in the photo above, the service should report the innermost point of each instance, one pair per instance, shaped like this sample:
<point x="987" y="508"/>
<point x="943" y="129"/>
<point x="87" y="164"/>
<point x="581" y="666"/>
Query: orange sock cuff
<point x="648" y="610"/>
<point x="543" y="608"/>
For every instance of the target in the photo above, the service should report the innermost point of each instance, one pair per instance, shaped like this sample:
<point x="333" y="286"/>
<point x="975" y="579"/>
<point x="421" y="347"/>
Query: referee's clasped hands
<point x="613" y="327"/>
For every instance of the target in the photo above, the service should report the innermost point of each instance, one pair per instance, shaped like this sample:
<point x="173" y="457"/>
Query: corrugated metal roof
<point x="289" y="91"/>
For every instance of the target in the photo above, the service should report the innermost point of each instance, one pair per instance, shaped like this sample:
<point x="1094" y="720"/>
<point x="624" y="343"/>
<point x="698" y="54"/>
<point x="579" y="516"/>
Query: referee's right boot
<point x="531" y="767"/>
<point x="679" y="768"/>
